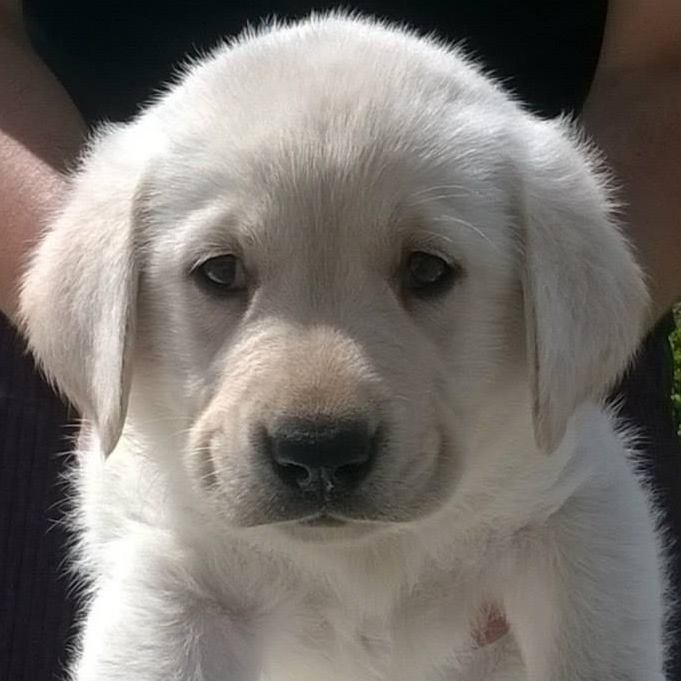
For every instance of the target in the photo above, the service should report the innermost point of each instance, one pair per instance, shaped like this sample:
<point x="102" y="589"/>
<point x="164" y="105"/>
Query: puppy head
<point x="315" y="269"/>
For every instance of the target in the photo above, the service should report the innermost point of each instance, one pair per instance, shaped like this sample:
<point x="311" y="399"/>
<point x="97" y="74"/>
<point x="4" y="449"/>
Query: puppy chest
<point x="414" y="642"/>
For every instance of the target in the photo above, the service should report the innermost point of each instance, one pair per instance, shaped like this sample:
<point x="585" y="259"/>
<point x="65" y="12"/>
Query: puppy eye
<point x="426" y="274"/>
<point x="221" y="275"/>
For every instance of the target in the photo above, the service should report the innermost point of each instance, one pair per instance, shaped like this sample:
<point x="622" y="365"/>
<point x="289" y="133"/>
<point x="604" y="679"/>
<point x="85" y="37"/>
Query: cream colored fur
<point x="321" y="153"/>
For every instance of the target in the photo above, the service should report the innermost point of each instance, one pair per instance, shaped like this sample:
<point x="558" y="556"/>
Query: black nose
<point x="321" y="456"/>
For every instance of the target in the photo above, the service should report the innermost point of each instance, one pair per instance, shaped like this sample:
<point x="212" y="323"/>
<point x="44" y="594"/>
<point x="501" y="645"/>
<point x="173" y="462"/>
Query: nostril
<point x="295" y="475"/>
<point x="350" y="474"/>
<point x="292" y="473"/>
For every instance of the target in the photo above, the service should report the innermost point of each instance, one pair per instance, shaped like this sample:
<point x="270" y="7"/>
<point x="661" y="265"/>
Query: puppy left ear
<point x="79" y="293"/>
<point x="584" y="295"/>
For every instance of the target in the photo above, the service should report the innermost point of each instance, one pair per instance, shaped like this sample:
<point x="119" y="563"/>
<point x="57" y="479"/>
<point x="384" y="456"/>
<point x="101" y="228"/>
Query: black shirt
<point x="111" y="56"/>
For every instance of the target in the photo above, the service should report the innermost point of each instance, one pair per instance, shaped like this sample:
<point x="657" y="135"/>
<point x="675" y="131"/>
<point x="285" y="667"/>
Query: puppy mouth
<point x="327" y="516"/>
<point x="325" y="520"/>
<point x="327" y="527"/>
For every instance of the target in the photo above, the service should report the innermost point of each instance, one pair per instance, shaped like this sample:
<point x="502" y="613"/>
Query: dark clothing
<point x="111" y="57"/>
<point x="36" y="611"/>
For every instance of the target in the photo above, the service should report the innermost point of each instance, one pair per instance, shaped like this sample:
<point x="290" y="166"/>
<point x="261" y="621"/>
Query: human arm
<point x="633" y="112"/>
<point x="40" y="132"/>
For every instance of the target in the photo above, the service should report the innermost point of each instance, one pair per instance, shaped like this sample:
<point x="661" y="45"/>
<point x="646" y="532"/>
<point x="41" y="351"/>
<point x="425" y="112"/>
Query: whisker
<point x="423" y="200"/>
<point x="427" y="191"/>
<point x="468" y="225"/>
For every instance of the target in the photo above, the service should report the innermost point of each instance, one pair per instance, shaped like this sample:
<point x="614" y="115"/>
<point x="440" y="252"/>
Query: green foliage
<point x="676" y="349"/>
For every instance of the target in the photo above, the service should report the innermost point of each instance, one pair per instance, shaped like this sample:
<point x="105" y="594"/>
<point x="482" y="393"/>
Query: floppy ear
<point x="78" y="295"/>
<point x="584" y="296"/>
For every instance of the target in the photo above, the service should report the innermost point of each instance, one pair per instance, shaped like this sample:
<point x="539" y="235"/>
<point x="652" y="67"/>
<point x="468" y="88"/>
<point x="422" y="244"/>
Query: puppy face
<point x="332" y="284"/>
<point x="327" y="274"/>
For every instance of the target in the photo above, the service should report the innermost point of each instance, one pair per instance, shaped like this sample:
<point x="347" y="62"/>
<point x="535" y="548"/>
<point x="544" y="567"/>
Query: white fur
<point x="320" y="153"/>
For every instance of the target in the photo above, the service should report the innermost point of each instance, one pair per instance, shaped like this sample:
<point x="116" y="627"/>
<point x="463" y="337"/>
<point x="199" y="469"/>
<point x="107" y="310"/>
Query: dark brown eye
<point x="222" y="274"/>
<point x="426" y="274"/>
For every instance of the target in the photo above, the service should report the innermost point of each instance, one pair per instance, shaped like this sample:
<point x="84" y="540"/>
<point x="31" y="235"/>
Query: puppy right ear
<point x="78" y="296"/>
<point x="586" y="304"/>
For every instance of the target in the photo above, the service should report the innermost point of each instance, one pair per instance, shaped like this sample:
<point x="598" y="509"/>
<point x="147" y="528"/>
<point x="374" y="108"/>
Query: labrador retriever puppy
<point x="339" y="313"/>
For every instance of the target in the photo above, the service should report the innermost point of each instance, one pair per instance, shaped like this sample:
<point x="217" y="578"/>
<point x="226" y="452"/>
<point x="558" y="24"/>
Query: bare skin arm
<point x="40" y="131"/>
<point x="634" y="113"/>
